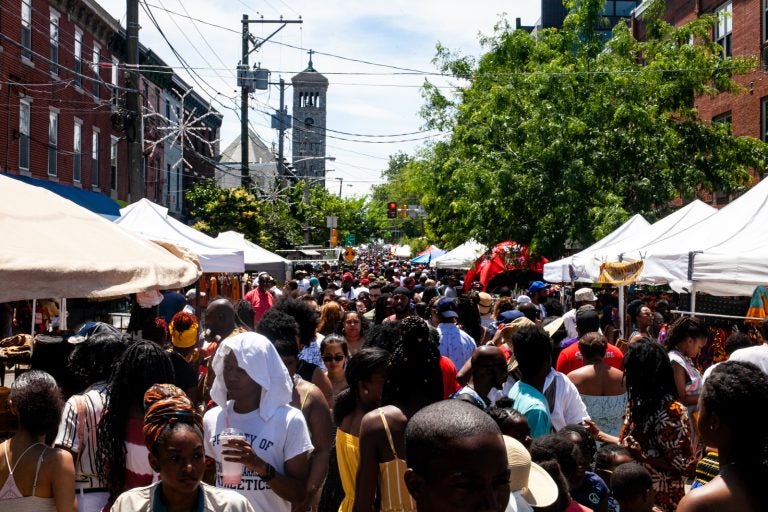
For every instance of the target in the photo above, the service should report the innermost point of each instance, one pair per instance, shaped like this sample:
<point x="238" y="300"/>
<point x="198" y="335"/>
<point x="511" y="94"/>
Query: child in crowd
<point x="633" y="488"/>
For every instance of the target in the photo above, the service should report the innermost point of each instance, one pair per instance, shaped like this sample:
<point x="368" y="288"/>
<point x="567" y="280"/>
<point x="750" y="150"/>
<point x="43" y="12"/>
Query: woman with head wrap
<point x="253" y="391"/>
<point x="174" y="437"/>
<point x="184" y="330"/>
<point x="413" y="380"/>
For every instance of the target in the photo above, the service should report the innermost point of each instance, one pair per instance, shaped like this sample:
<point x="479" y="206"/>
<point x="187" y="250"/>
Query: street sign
<point x="349" y="239"/>
<point x="331" y="222"/>
<point x="349" y="254"/>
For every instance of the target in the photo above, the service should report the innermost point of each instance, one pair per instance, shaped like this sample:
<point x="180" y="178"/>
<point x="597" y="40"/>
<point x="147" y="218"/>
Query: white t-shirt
<point x="281" y="438"/>
<point x="757" y="355"/>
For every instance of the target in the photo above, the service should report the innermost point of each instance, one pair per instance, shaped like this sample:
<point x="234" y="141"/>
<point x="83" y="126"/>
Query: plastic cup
<point x="231" y="472"/>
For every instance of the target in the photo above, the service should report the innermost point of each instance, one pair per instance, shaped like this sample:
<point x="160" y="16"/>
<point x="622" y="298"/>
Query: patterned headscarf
<point x="165" y="405"/>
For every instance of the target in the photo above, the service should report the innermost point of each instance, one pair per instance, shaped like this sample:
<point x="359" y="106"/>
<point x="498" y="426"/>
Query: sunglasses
<point x="338" y="358"/>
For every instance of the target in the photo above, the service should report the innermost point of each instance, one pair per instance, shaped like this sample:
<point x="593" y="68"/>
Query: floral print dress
<point x="665" y="436"/>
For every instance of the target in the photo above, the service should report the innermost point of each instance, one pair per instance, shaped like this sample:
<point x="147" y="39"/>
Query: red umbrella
<point x="504" y="256"/>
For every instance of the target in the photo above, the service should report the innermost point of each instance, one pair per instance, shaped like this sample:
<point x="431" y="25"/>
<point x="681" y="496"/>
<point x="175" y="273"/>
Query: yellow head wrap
<point x="184" y="330"/>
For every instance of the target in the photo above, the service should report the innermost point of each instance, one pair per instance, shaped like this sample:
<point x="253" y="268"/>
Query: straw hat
<point x="527" y="478"/>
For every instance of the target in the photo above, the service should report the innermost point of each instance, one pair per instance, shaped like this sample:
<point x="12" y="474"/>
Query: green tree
<point x="265" y="223"/>
<point x="561" y="136"/>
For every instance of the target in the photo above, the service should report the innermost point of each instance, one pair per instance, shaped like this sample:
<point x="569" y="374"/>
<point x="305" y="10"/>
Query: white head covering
<point x="260" y="360"/>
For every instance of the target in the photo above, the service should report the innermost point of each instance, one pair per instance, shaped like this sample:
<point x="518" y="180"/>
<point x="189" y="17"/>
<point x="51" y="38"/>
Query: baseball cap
<point x="585" y="295"/>
<point x="537" y="286"/>
<point x="402" y="290"/>
<point x="510" y="316"/>
<point x="526" y="478"/>
<point x="347" y="277"/>
<point x="446" y="308"/>
<point x="523" y="299"/>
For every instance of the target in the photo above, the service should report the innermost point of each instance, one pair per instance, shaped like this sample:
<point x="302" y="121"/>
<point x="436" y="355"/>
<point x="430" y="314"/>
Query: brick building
<point x="742" y="30"/>
<point x="62" y="85"/>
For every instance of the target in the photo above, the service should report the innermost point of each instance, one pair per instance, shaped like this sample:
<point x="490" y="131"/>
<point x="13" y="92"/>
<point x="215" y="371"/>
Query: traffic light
<point x="392" y="210"/>
<point x="403" y="211"/>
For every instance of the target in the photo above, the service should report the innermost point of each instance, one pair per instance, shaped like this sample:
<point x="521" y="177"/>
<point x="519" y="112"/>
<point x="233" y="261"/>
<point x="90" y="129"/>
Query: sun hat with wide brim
<point x="527" y="478"/>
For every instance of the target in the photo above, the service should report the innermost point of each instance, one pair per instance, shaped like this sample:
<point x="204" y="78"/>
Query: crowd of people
<point x="382" y="388"/>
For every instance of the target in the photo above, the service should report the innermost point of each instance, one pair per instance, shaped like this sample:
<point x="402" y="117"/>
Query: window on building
<point x="95" y="158"/>
<point x="26" y="29"/>
<point x="53" y="143"/>
<point x="24" y="110"/>
<point x="167" y="109"/>
<point x="725" y="117"/>
<point x="113" y="81"/>
<point x="95" y="69"/>
<point x="54" y="29"/>
<point x="724" y="27"/>
<point x="78" y="53"/>
<point x="77" y="151"/>
<point x="113" y="164"/>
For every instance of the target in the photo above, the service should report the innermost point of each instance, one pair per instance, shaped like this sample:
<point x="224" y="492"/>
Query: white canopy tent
<point x="563" y="270"/>
<point x="724" y="254"/>
<point x="54" y="248"/>
<point x="257" y="259"/>
<point x="637" y="246"/>
<point x="461" y="257"/>
<point x="152" y="222"/>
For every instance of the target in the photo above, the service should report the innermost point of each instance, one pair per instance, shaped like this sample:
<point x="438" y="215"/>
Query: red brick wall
<point x="46" y="90"/>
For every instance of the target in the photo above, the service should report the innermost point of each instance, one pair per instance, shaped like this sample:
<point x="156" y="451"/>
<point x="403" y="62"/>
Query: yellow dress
<point x="394" y="494"/>
<point x="348" y="456"/>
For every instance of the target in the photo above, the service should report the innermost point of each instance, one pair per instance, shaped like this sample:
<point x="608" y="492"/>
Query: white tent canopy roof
<point x="560" y="271"/>
<point x="253" y="253"/>
<point x="636" y="247"/>
<point x="730" y="246"/>
<point x="54" y="248"/>
<point x="461" y="257"/>
<point x="152" y="222"/>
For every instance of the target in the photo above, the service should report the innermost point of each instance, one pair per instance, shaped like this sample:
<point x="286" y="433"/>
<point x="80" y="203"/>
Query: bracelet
<point x="270" y="473"/>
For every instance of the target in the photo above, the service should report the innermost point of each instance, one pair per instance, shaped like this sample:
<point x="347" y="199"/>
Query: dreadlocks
<point x="649" y="380"/>
<point x="414" y="369"/>
<point x="142" y="364"/>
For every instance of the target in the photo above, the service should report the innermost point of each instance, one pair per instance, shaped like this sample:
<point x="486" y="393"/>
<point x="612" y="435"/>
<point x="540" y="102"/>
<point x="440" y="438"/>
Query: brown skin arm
<point x="290" y="486"/>
<point x="367" y="480"/>
<point x="63" y="469"/>
<point x="321" y="380"/>
<point x="318" y="416"/>
<point x="679" y="374"/>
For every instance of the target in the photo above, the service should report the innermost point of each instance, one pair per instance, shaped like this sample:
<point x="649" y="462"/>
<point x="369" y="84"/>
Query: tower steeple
<point x="310" y="67"/>
<point x="309" y="115"/>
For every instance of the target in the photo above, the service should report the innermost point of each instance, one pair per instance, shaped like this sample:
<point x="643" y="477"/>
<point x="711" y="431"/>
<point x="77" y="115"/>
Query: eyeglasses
<point x="338" y="358"/>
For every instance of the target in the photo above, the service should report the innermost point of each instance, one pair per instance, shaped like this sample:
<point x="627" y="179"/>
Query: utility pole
<point x="341" y="182"/>
<point x="246" y="89"/>
<point x="245" y="176"/>
<point x="282" y="116"/>
<point x="135" y="126"/>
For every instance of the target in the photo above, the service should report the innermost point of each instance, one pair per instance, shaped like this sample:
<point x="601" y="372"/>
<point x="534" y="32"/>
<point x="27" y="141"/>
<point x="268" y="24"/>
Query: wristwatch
<point x="269" y="475"/>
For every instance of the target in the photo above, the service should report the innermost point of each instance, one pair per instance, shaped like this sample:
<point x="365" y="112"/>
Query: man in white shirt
<point x="582" y="297"/>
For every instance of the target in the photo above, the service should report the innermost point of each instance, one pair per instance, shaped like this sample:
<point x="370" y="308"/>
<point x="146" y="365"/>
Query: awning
<point x="310" y="252"/>
<point x="94" y="201"/>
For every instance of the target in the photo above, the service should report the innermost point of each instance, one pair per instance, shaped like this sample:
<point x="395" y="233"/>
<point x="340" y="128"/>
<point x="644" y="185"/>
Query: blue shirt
<point x="592" y="492"/>
<point x="531" y="403"/>
<point x="455" y="344"/>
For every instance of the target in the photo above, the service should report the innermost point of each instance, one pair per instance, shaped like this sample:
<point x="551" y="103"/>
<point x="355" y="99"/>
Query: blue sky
<point x="362" y="98"/>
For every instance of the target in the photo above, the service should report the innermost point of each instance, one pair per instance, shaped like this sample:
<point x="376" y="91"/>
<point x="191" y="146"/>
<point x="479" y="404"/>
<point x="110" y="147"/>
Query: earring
<point x="365" y="391"/>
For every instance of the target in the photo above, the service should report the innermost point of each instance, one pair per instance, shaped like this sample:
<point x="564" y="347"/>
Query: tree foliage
<point x="563" y="136"/>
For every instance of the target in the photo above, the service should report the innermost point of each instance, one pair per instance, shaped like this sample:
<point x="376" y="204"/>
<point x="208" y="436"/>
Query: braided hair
<point x="683" y="328"/>
<point x="587" y="443"/>
<point x="732" y="388"/>
<point x="360" y="368"/>
<point x="649" y="380"/>
<point x="414" y="368"/>
<point x="142" y="364"/>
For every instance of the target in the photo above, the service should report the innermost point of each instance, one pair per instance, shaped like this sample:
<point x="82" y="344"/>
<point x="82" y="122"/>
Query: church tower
<point x="309" y="109"/>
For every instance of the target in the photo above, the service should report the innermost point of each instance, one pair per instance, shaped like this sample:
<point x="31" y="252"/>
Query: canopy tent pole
<point x="32" y="330"/>
<point x="63" y="315"/>
<point x="622" y="313"/>
<point x="716" y="315"/>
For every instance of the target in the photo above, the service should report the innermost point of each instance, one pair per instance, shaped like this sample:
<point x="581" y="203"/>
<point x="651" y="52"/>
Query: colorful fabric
<point x="707" y="469"/>
<point x="165" y="405"/>
<point x="758" y="305"/>
<point x="666" y="435"/>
